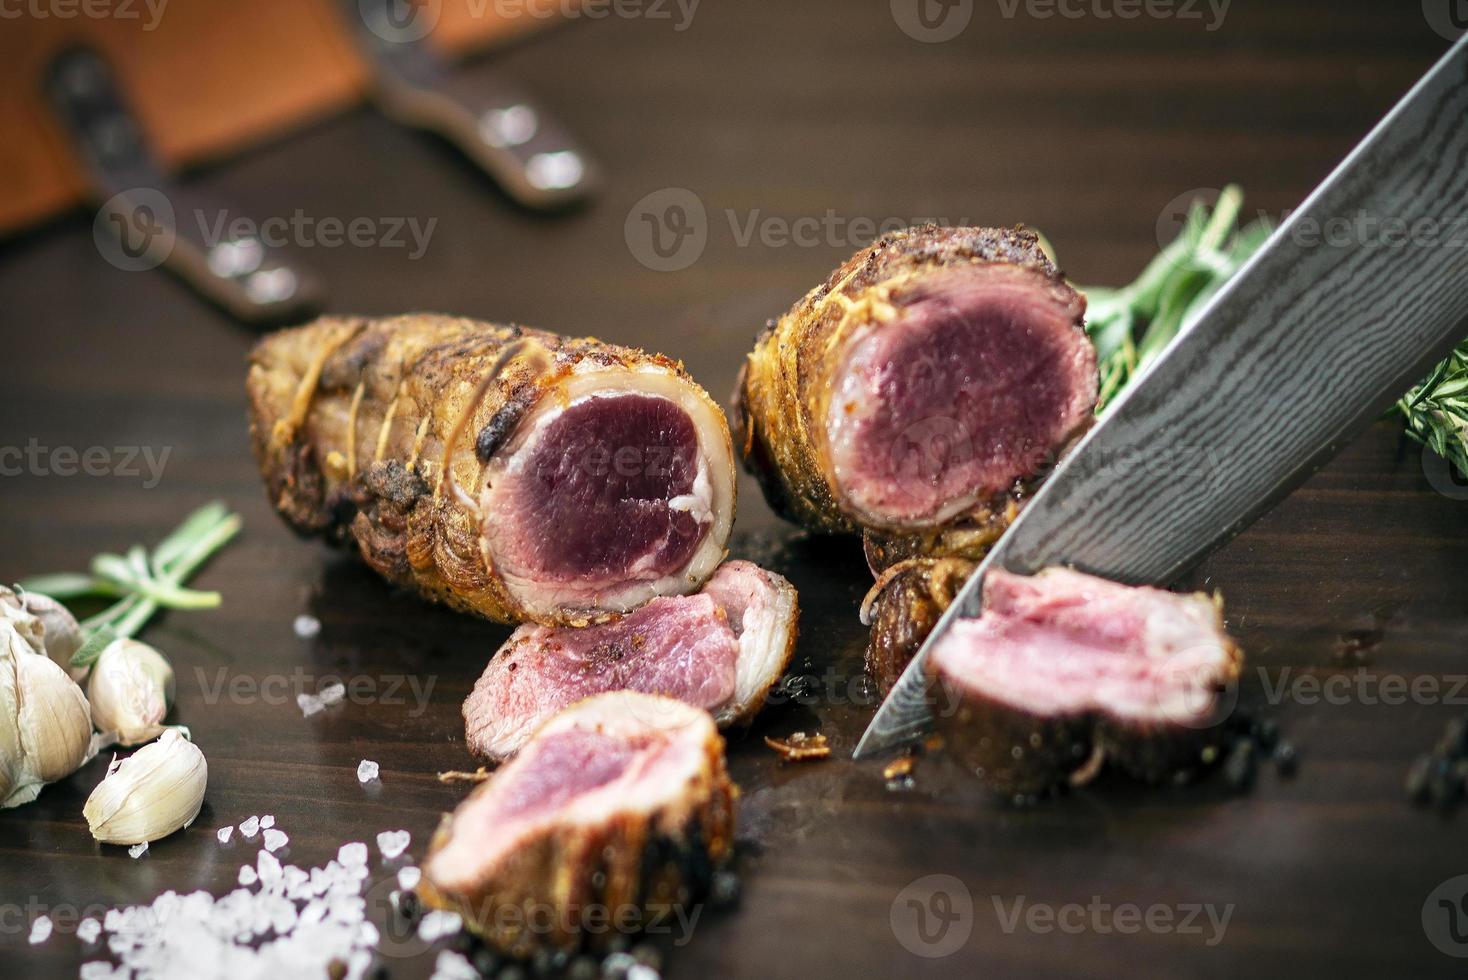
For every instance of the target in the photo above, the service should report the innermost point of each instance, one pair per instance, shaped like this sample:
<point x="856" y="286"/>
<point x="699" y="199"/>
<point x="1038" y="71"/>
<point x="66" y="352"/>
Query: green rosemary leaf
<point x="88" y="652"/>
<point x="68" y="585"/>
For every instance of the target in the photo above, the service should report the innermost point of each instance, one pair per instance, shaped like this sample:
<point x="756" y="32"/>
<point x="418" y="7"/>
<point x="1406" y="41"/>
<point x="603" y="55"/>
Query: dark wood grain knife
<point x="1354" y="297"/>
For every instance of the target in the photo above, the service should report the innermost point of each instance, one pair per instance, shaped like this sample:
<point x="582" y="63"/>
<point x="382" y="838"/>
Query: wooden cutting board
<point x="206" y="77"/>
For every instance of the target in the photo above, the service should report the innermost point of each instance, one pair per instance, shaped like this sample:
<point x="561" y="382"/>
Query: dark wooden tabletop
<point x="1087" y="127"/>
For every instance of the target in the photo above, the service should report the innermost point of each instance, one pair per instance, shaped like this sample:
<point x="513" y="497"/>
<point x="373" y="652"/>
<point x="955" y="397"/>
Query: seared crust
<point x="350" y="418"/>
<point x="969" y="539"/>
<point x="1024" y="753"/>
<point x="903" y="607"/>
<point x="784" y="388"/>
<point x="570" y="889"/>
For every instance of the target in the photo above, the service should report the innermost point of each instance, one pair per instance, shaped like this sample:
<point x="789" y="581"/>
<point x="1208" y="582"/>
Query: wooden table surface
<point x="768" y="112"/>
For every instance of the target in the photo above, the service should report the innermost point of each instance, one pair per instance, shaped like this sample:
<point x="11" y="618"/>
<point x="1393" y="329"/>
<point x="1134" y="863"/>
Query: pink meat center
<point x="591" y="505"/>
<point x="567" y="765"/>
<point x="974" y="386"/>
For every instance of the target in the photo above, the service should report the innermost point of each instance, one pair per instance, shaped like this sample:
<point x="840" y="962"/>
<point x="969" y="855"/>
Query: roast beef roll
<point x="927" y="384"/>
<point x="1064" y="671"/>
<point x="506" y="471"/>
<point x="619" y="807"/>
<point x="721" y="650"/>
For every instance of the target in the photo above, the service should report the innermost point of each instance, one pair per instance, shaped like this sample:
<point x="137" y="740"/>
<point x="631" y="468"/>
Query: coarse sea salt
<point x="250" y="827"/>
<point x="137" y="850"/>
<point x="367" y="770"/>
<point x="408" y="878"/>
<point x="275" y="839"/>
<point x="88" y="930"/>
<point x="255" y="931"/>
<point x="224" y="834"/>
<point x="309" y="704"/>
<point x="332" y="694"/>
<point x="267" y="821"/>
<point x="451" y="965"/>
<point x="40" y="929"/>
<point x="353" y="854"/>
<point x="393" y="843"/>
<point x="436" y="924"/>
<point x="306" y="626"/>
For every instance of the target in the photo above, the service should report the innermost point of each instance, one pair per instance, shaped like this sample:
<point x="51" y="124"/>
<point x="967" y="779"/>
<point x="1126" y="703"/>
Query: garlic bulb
<point x="150" y="794"/>
<point x="130" y="689"/>
<point x="45" y="722"/>
<point x="62" y="634"/>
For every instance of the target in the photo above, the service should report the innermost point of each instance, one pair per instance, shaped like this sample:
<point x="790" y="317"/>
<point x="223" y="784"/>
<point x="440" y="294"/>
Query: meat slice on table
<point x="508" y="472"/>
<point x="720" y="650"/>
<point x="920" y="391"/>
<point x="621" y="802"/>
<point x="1064" y="670"/>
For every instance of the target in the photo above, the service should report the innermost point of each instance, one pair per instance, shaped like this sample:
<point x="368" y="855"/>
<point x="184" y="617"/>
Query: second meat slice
<point x="720" y="649"/>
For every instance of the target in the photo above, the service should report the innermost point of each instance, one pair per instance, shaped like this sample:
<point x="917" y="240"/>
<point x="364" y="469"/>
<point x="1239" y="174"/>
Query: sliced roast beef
<point x="720" y="650"/>
<point x="928" y="382"/>
<point x="619" y="805"/>
<point x="509" y="472"/>
<point x="1064" y="669"/>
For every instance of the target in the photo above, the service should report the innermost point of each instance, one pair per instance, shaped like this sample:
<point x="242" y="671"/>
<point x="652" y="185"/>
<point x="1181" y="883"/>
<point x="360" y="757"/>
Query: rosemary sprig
<point x="143" y="582"/>
<point x="1436" y="411"/>
<point x="1131" y="325"/>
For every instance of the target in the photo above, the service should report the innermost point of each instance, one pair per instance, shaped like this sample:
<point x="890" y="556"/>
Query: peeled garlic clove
<point x="150" y="794"/>
<point x="130" y="689"/>
<point x="62" y="635"/>
<point x="46" y="728"/>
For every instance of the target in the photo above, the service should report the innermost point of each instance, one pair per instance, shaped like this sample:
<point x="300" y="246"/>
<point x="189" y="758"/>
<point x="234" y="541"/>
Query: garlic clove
<point x="150" y="794"/>
<point x="27" y="626"/>
<point x="46" y="729"/>
<point x="130" y="690"/>
<point x="61" y="636"/>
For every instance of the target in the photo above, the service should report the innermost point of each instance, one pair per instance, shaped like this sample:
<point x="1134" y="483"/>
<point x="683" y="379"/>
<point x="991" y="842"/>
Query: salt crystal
<point x="268" y="867"/>
<point x="408" y="878"/>
<point x="267" y="821"/>
<point x="88" y="930"/>
<point x="223" y="833"/>
<point x="247" y="875"/>
<point x="250" y="827"/>
<point x="352" y="854"/>
<point x="137" y="850"/>
<point x="393" y="843"/>
<point x="308" y="703"/>
<point x="367" y="771"/>
<point x="96" y="970"/>
<point x="641" y="971"/>
<point x="332" y="694"/>
<point x="437" y="924"/>
<point x="453" y="966"/>
<point x="306" y="626"/>
<point x="275" y="840"/>
<point x="40" y="929"/>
